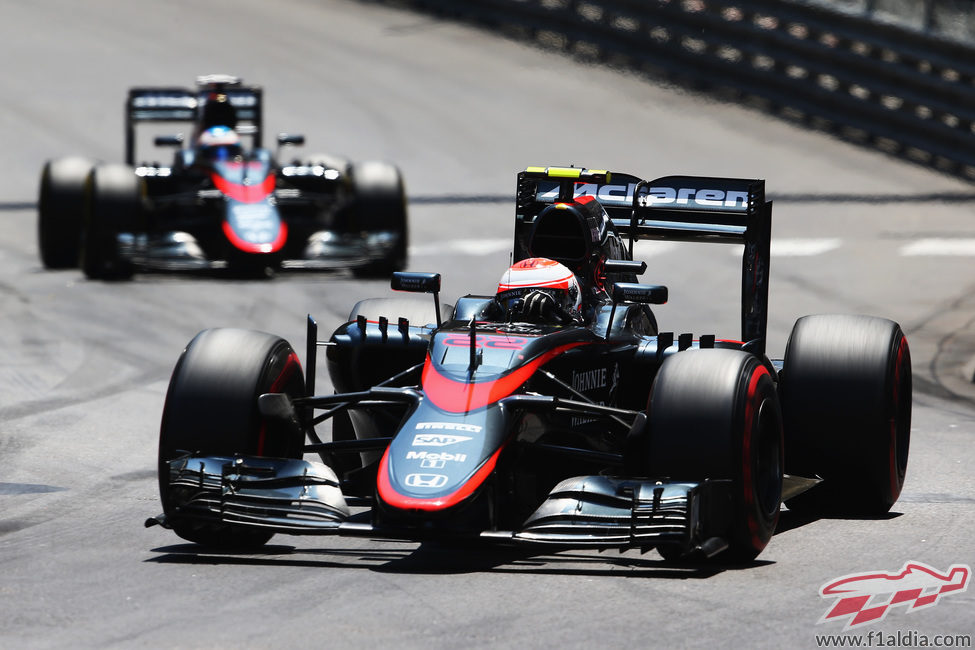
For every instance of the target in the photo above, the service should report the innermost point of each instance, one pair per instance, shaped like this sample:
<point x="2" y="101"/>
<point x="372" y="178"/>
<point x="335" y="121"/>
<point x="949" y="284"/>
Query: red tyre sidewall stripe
<point x="748" y="481"/>
<point x="290" y="365"/>
<point x="895" y="481"/>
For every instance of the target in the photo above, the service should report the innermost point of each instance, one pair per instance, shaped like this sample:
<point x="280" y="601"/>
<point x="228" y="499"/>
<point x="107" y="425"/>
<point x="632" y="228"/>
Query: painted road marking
<point x="939" y="246"/>
<point x="803" y="247"/>
<point x="471" y="247"/>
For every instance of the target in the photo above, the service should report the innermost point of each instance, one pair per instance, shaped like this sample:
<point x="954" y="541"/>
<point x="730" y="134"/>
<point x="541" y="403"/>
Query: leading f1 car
<point x="218" y="204"/>
<point x="554" y="412"/>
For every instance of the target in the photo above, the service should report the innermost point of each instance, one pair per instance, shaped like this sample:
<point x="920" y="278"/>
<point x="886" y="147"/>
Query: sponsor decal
<point x="607" y="194"/>
<point x="658" y="196"/>
<point x="864" y="598"/>
<point x="426" y="480"/>
<point x="587" y="380"/>
<point x="436" y="456"/>
<point x="437" y="440"/>
<point x="487" y="341"/>
<point x="610" y="194"/>
<point x="449" y="426"/>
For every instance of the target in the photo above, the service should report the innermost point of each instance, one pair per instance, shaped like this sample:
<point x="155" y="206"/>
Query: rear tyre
<point x="113" y="206"/>
<point x="714" y="414"/>
<point x="380" y="207"/>
<point x="211" y="408"/>
<point x="846" y="404"/>
<point x="60" y="211"/>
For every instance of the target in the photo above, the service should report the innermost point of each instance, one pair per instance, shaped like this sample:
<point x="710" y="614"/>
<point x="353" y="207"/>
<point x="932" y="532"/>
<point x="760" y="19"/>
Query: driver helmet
<point x="219" y="143"/>
<point x="540" y="274"/>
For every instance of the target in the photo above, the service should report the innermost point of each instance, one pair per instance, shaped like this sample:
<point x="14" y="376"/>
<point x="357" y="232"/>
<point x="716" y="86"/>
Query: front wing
<point x="302" y="497"/>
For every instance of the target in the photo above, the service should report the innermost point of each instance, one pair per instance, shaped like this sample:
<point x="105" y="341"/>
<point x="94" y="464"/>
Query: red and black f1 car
<point x="589" y="429"/>
<point x="218" y="204"/>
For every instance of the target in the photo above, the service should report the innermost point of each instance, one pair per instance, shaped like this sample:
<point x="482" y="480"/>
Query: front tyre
<point x="211" y="409"/>
<point x="113" y="205"/>
<point x="714" y="414"/>
<point x="60" y="211"/>
<point x="846" y="403"/>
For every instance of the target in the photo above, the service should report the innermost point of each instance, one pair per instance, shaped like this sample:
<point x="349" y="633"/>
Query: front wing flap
<point x="290" y="496"/>
<point x="615" y="512"/>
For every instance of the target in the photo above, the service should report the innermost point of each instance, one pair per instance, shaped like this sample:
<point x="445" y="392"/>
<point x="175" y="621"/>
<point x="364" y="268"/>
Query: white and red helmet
<point x="540" y="274"/>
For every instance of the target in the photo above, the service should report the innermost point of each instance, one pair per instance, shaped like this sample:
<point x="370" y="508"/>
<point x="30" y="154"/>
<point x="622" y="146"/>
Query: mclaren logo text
<point x="655" y="196"/>
<point x="658" y="196"/>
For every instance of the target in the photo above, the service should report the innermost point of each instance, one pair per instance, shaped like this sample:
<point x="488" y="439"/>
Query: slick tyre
<point x="714" y="414"/>
<point x="211" y="408"/>
<point x="380" y="207"/>
<point x="113" y="205"/>
<point x="846" y="404"/>
<point x="61" y="210"/>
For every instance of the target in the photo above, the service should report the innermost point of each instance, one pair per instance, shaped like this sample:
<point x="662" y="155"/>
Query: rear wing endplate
<point x="672" y="208"/>
<point x="176" y="104"/>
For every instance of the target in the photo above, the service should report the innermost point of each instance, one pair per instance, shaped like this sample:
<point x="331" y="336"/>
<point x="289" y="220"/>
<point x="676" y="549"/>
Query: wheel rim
<point x="767" y="461"/>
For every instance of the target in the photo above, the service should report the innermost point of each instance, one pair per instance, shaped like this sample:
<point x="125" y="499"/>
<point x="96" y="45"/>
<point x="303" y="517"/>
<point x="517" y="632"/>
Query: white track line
<point x="803" y="247"/>
<point x="472" y="247"/>
<point x="939" y="246"/>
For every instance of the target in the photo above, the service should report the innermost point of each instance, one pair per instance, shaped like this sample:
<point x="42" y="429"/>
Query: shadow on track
<point x="438" y="558"/>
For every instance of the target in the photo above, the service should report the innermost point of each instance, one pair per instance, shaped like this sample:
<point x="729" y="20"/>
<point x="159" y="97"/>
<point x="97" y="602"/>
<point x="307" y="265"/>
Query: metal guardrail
<point x="902" y="91"/>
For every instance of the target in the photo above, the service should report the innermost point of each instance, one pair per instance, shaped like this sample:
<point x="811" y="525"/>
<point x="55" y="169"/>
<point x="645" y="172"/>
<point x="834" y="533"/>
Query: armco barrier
<point x="907" y="93"/>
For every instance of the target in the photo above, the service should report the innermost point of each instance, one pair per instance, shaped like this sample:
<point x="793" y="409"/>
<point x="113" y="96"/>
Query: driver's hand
<point x="540" y="306"/>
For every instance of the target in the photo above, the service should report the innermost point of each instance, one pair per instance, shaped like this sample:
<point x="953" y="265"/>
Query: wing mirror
<point x="293" y="139"/>
<point x="625" y="266"/>
<point x="418" y="283"/>
<point x="169" y="140"/>
<point x="645" y="294"/>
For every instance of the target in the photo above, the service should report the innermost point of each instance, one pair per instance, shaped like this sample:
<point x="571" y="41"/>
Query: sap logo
<point x="605" y="194"/>
<point x="449" y="426"/>
<point x="658" y="196"/>
<point x="435" y="456"/>
<point x="587" y="380"/>
<point x="431" y="481"/>
<point x="867" y="597"/>
<point x="437" y="440"/>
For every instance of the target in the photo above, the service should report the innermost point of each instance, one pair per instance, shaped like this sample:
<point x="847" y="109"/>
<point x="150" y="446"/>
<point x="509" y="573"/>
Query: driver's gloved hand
<point x="539" y="306"/>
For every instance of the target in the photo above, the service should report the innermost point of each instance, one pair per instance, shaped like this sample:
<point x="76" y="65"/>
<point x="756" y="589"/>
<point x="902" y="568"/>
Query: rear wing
<point x="175" y="104"/>
<point x="673" y="208"/>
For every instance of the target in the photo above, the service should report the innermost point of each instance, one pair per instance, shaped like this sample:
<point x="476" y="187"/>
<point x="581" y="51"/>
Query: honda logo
<point x="430" y="481"/>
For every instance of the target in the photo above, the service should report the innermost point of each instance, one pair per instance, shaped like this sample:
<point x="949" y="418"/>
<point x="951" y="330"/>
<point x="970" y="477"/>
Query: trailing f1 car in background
<point x="218" y="204"/>
<point x="555" y="412"/>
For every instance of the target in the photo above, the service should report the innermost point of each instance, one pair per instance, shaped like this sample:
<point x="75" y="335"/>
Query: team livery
<point x="552" y="412"/>
<point x="218" y="204"/>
